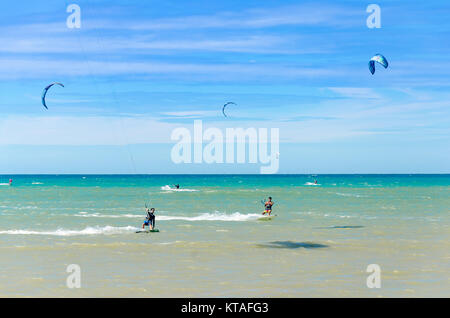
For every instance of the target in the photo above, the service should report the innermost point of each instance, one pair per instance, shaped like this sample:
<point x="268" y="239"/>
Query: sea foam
<point x="64" y="232"/>
<point x="168" y="188"/>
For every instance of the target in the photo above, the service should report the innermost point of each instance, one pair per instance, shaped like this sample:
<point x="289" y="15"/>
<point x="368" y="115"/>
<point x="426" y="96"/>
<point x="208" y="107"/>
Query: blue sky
<point x="137" y="70"/>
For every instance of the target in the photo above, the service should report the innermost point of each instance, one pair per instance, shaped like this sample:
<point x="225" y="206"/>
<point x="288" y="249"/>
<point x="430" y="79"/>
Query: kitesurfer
<point x="149" y="219"/>
<point x="268" y="206"/>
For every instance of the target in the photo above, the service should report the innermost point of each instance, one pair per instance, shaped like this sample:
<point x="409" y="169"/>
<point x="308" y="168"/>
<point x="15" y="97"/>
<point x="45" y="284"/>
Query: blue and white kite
<point x="379" y="59"/>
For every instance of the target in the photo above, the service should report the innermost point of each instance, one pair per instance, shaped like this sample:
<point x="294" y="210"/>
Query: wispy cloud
<point x="33" y="68"/>
<point x="97" y="130"/>
<point x="139" y="45"/>
<point x="305" y="14"/>
<point x="355" y="92"/>
<point x="134" y="72"/>
<point x="190" y="114"/>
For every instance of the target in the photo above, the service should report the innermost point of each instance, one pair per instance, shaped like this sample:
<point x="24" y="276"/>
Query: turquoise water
<point x="211" y="241"/>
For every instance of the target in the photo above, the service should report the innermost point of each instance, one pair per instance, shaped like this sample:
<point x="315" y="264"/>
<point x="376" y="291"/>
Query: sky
<point x="136" y="70"/>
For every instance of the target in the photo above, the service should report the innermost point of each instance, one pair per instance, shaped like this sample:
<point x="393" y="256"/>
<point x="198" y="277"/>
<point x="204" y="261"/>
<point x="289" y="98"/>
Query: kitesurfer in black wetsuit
<point x="149" y="219"/>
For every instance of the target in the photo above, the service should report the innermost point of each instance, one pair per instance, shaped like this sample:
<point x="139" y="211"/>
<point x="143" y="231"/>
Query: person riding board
<point x="149" y="219"/>
<point x="268" y="206"/>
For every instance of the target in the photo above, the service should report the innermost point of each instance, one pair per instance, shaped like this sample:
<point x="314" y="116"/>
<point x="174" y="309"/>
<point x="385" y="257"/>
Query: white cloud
<point x="42" y="43"/>
<point x="25" y="130"/>
<point x="253" y="18"/>
<point x="55" y="37"/>
<point x="67" y="130"/>
<point x="191" y="114"/>
<point x="355" y="92"/>
<point x="14" y="68"/>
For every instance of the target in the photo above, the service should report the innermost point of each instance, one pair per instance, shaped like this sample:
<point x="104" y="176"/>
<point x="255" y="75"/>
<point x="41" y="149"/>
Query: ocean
<point x="211" y="243"/>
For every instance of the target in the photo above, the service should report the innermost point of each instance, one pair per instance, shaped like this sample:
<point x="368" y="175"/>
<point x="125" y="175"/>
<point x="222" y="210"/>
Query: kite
<point x="223" y="109"/>
<point x="44" y="92"/>
<point x="379" y="59"/>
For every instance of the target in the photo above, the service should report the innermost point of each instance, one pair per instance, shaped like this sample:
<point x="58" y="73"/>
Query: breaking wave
<point x="87" y="231"/>
<point x="168" y="188"/>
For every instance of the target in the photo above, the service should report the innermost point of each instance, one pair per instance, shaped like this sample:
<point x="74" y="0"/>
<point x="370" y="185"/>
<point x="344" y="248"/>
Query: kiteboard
<point x="267" y="217"/>
<point x="148" y="231"/>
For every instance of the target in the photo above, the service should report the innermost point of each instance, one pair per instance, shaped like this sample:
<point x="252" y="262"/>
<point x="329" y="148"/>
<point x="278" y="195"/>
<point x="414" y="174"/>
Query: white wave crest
<point x="97" y="215"/>
<point x="87" y="231"/>
<point x="351" y="195"/>
<point x="217" y="216"/>
<point x="168" y="188"/>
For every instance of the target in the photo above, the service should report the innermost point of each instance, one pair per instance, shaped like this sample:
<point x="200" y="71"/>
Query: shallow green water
<point x="211" y="243"/>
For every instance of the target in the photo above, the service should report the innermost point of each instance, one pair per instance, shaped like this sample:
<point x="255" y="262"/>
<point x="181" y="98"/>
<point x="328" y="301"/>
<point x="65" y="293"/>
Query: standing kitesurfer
<point x="268" y="206"/>
<point x="149" y="219"/>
